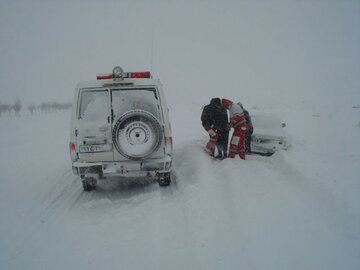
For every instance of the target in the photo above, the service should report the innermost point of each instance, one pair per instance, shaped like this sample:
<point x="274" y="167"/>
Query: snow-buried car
<point x="120" y="127"/>
<point x="269" y="135"/>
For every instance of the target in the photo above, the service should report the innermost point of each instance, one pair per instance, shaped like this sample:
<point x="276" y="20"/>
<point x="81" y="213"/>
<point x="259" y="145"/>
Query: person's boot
<point x="210" y="148"/>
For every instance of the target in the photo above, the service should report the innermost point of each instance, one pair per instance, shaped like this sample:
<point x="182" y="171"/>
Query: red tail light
<point x="72" y="146"/>
<point x="141" y="75"/>
<point x="168" y="145"/>
<point x="73" y="155"/>
<point x="168" y="141"/>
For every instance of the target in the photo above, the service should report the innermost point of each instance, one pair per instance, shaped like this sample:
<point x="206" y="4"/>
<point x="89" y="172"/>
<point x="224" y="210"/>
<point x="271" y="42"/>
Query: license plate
<point x="94" y="148"/>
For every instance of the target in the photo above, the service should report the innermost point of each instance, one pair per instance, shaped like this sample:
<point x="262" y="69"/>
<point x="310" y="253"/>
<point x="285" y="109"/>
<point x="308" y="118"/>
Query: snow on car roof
<point x="267" y="125"/>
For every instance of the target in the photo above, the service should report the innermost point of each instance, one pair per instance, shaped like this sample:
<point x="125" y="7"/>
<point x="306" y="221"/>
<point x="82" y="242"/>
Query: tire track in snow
<point x="208" y="209"/>
<point x="172" y="217"/>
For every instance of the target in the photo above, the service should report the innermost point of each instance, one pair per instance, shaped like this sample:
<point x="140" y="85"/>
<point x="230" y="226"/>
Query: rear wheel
<point x="164" y="179"/>
<point x="89" y="183"/>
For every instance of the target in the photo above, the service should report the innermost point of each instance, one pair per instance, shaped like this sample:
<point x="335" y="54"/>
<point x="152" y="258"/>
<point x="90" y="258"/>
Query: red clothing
<point x="237" y="143"/>
<point x="238" y="122"/>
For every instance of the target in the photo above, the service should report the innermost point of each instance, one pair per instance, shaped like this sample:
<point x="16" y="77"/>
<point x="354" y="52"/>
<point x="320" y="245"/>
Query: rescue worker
<point x="250" y="129"/>
<point x="215" y="121"/>
<point x="238" y="122"/>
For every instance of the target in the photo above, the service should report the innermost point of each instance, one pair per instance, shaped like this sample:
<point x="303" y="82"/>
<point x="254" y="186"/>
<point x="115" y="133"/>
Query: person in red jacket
<point x="238" y="122"/>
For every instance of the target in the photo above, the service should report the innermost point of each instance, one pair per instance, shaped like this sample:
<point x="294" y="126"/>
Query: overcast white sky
<point x="298" y="50"/>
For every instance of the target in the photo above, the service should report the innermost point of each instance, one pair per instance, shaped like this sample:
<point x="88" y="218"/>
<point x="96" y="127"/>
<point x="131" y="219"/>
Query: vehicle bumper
<point x="266" y="143"/>
<point x="124" y="168"/>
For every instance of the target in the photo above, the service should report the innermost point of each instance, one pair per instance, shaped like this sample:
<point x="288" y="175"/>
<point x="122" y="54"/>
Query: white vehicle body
<point x="269" y="135"/>
<point x="120" y="127"/>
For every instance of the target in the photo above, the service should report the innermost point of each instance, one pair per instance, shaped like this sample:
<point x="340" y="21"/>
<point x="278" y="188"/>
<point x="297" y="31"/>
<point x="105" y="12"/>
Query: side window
<point x="135" y="99"/>
<point x="94" y="105"/>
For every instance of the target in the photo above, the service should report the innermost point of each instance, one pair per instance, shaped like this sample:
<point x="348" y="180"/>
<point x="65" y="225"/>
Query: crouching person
<point x="214" y="120"/>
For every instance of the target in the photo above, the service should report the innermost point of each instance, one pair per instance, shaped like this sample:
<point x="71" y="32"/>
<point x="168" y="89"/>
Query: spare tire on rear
<point x="137" y="134"/>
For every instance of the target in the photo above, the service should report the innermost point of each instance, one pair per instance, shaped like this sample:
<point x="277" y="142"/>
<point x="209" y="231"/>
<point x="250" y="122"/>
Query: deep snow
<point x="298" y="209"/>
<point x="297" y="60"/>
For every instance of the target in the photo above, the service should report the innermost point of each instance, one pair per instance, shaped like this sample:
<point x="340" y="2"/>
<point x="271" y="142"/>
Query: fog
<point x="291" y="50"/>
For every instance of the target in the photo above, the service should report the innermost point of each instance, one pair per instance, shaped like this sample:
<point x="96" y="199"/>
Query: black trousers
<point x="223" y="140"/>
<point x="249" y="132"/>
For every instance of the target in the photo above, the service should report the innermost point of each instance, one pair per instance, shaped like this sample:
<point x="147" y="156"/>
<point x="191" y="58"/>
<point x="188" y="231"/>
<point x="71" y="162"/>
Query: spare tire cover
<point x="137" y="134"/>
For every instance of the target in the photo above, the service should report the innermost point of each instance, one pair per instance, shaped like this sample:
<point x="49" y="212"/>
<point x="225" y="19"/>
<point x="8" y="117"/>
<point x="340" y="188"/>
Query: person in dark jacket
<point x="215" y="121"/>
<point x="250" y="130"/>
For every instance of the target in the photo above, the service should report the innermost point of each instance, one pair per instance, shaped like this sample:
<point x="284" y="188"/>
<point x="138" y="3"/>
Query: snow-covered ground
<point x="299" y="209"/>
<point x="297" y="60"/>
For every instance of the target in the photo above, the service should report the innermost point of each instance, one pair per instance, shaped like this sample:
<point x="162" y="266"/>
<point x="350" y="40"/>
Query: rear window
<point x="135" y="99"/>
<point x="94" y="105"/>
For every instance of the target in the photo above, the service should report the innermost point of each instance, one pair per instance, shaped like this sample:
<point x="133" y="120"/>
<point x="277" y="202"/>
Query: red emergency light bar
<point x="140" y="75"/>
<point x="133" y="75"/>
<point x="104" y="76"/>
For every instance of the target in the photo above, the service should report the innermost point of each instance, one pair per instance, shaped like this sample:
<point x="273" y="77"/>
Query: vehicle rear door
<point x="137" y="123"/>
<point x="93" y="126"/>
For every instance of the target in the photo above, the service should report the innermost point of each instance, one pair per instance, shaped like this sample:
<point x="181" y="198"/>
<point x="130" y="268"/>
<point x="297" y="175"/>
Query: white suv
<point x="120" y="127"/>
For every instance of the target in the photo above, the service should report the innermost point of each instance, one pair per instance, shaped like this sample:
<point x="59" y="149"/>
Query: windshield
<point x="135" y="99"/>
<point x="94" y="105"/>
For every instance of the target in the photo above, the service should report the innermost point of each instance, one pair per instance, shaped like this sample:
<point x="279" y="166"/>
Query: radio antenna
<point x="152" y="47"/>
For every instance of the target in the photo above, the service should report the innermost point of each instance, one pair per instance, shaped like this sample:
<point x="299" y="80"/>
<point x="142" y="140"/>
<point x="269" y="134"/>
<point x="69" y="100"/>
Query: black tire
<point x="164" y="179"/>
<point x="137" y="134"/>
<point x="89" y="183"/>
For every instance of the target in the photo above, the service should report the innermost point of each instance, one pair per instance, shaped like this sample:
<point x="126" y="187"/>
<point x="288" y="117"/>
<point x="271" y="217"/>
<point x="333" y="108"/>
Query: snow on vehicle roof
<point x="117" y="83"/>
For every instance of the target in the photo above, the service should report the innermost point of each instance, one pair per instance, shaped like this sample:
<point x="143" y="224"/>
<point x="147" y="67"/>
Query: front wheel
<point x="164" y="179"/>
